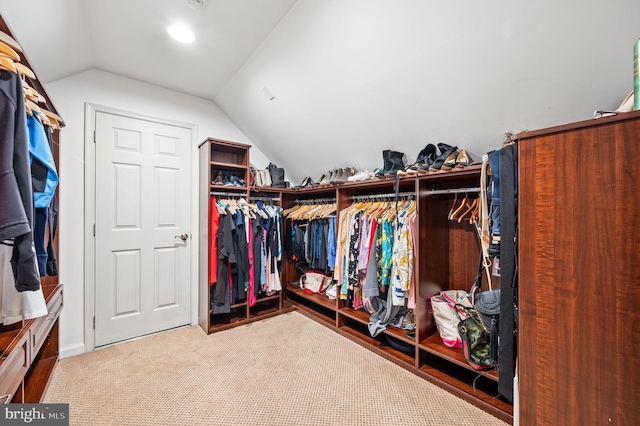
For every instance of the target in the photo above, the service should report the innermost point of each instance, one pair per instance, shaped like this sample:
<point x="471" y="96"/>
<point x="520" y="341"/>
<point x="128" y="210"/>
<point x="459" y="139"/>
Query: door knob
<point x="183" y="237"/>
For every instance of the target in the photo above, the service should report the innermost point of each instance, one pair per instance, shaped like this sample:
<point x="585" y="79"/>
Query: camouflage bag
<point x="475" y="338"/>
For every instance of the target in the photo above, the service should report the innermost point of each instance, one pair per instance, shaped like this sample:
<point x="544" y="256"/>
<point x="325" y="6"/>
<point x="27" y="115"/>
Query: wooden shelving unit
<point x="447" y="254"/>
<point x="29" y="349"/>
<point x="220" y="155"/>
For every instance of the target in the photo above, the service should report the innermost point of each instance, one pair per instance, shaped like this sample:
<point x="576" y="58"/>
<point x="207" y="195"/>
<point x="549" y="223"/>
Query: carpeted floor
<point x="287" y="370"/>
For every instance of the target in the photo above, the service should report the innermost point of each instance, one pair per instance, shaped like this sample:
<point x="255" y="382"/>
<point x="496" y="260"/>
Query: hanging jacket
<point x="16" y="194"/>
<point x="43" y="170"/>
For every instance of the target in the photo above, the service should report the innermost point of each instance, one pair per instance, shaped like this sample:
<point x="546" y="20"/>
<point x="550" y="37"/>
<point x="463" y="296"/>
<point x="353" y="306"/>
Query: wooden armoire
<point x="579" y="273"/>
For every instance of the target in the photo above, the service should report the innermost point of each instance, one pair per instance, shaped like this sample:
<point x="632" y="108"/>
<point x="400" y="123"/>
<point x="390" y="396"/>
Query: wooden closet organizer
<point x="220" y="155"/>
<point x="447" y="258"/>
<point x="29" y="349"/>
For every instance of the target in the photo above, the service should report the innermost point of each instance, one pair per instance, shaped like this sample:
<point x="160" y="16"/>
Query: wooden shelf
<point x="227" y="188"/>
<point x="38" y="379"/>
<point x="264" y="312"/>
<point x="264" y="299"/>
<point x="433" y="344"/>
<point x="319" y="299"/>
<point x="315" y="315"/>
<point x="375" y="345"/>
<point x="233" y="166"/>
<point x="363" y="317"/>
<point x="357" y="314"/>
<point x="495" y="406"/>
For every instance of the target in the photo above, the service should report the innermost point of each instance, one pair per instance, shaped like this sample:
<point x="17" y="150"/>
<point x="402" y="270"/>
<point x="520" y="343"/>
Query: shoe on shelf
<point x="218" y="179"/>
<point x="306" y="182"/>
<point x="323" y="180"/>
<point x="386" y="163"/>
<point x="450" y="162"/>
<point x="464" y="159"/>
<point x="336" y="175"/>
<point x="445" y="152"/>
<point x="346" y="174"/>
<point x="363" y="175"/>
<point x="394" y="161"/>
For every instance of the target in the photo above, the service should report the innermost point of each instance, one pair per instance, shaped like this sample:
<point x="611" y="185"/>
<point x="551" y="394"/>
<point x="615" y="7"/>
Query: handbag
<point x="443" y="307"/>
<point x="277" y="175"/>
<point x="261" y="178"/>
<point x="488" y="305"/>
<point x="315" y="282"/>
<point x="475" y="338"/>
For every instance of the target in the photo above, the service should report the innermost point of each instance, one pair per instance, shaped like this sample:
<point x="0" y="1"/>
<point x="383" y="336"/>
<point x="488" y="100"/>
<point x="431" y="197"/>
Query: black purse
<point x="277" y="176"/>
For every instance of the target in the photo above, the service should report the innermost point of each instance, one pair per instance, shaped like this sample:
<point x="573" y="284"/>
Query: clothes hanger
<point x="459" y="210"/>
<point x="468" y="210"/>
<point x="32" y="106"/>
<point x="8" y="65"/>
<point x="7" y="39"/>
<point x="453" y="207"/>
<point x="25" y="70"/>
<point x="8" y="51"/>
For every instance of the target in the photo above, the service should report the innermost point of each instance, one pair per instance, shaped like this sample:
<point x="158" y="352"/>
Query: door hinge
<point x="94" y="136"/>
<point x="94" y="323"/>
<point x="94" y="229"/>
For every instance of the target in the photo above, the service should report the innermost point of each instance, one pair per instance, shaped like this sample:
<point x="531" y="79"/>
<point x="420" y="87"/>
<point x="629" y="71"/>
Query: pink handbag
<point x="444" y="312"/>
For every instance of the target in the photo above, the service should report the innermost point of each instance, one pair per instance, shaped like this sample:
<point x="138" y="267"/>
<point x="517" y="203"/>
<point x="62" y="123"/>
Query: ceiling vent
<point x="197" y="4"/>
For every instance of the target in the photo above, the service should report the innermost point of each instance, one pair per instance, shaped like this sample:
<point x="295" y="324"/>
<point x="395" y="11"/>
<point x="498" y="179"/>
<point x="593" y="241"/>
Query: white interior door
<point x="142" y="274"/>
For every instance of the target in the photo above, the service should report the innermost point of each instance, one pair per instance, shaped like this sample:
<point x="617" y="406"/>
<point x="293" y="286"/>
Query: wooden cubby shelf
<point x="355" y="333"/>
<point x="462" y="388"/>
<point x="221" y="165"/>
<point x="320" y="299"/>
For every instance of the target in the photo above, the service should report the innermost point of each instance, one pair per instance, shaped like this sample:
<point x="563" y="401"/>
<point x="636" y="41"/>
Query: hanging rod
<point x="317" y="201"/>
<point x="377" y="196"/>
<point x="451" y="191"/>
<point x="229" y="194"/>
<point x="252" y="198"/>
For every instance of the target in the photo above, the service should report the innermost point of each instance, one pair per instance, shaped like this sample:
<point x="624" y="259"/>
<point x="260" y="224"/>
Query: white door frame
<point x="90" y="110"/>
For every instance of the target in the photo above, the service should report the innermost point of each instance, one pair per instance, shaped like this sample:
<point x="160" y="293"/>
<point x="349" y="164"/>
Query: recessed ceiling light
<point x="181" y="33"/>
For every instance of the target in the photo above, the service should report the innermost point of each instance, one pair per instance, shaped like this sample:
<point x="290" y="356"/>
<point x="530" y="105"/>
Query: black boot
<point x="397" y="160"/>
<point x="386" y="158"/>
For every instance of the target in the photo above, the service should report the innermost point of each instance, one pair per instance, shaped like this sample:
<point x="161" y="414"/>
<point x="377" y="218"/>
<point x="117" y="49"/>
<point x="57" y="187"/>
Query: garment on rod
<point x="311" y="234"/>
<point x="16" y="188"/>
<point x="374" y="255"/>
<point x="248" y="249"/>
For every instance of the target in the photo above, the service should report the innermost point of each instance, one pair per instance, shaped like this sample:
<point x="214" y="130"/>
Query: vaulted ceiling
<point x="353" y="77"/>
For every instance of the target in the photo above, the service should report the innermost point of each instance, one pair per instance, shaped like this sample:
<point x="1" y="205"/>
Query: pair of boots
<point x="392" y="162"/>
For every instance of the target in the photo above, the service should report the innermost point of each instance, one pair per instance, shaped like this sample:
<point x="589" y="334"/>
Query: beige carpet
<point x="287" y="370"/>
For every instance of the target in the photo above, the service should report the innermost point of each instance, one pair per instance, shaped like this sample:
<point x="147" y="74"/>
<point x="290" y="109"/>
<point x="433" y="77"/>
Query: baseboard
<point x="72" y="350"/>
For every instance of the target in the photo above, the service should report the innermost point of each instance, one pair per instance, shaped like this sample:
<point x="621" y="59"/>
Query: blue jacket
<point x="43" y="169"/>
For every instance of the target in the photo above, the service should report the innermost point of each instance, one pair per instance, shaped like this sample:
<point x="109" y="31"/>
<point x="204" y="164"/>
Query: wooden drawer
<point x="14" y="365"/>
<point x="41" y="326"/>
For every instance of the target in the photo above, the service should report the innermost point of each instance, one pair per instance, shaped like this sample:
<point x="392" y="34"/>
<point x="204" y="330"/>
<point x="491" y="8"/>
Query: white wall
<point x="354" y="77"/>
<point x="69" y="96"/>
